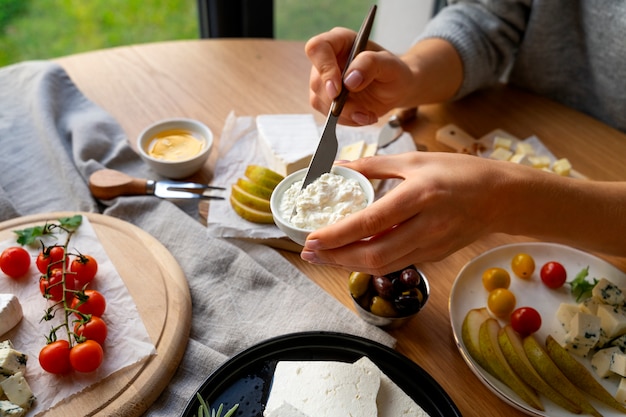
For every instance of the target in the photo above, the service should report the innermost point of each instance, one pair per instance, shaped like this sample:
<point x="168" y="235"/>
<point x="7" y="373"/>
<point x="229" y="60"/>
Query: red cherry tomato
<point x="525" y="320"/>
<point x="84" y="268"/>
<point x="51" y="286"/>
<point x="553" y="275"/>
<point x="55" y="357"/>
<point x="93" y="303"/>
<point x="15" y="261"/>
<point x="86" y="356"/>
<point x="51" y="257"/>
<point x="94" y="329"/>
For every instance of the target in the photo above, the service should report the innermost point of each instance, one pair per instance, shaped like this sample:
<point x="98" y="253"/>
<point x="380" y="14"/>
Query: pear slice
<point x="513" y="350"/>
<point x="250" y="214"/>
<point x="250" y="200"/>
<point x="470" y="334"/>
<point x="551" y="373"/>
<point x="490" y="349"/>
<point x="254" y="188"/>
<point x="579" y="375"/>
<point x="263" y="176"/>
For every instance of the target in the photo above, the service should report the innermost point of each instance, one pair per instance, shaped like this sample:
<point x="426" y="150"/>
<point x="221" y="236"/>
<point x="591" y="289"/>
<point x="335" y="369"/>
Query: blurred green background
<point x="42" y="29"/>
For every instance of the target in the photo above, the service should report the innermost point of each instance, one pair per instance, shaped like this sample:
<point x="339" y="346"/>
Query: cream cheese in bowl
<point x="325" y="201"/>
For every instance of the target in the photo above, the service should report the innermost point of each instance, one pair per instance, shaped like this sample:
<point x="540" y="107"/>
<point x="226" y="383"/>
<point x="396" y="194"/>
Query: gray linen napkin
<point x="52" y="138"/>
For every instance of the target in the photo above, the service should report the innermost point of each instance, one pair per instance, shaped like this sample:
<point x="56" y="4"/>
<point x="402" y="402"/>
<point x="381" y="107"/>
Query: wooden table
<point x="207" y="79"/>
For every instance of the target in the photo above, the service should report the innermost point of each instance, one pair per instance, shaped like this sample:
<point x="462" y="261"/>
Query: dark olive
<point x="383" y="287"/>
<point x="410" y="278"/>
<point x="408" y="302"/>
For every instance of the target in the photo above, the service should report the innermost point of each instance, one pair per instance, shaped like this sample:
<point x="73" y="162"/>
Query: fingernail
<point x="353" y="80"/>
<point x="309" y="256"/>
<point x="312" y="244"/>
<point x="362" y="119"/>
<point x="331" y="90"/>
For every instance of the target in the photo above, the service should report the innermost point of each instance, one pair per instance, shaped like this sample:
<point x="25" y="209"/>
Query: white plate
<point x="468" y="292"/>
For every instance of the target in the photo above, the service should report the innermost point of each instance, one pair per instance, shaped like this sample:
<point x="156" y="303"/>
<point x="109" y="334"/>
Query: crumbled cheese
<point x="325" y="201"/>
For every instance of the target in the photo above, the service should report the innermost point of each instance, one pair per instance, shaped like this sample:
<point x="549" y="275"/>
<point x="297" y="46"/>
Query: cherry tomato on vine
<point x="525" y="320"/>
<point x="52" y="257"/>
<point x="553" y="275"/>
<point x="51" y="286"/>
<point x="93" y="303"/>
<point x="86" y="356"/>
<point x="55" y="357"/>
<point x="94" y="329"/>
<point x="84" y="268"/>
<point x="15" y="261"/>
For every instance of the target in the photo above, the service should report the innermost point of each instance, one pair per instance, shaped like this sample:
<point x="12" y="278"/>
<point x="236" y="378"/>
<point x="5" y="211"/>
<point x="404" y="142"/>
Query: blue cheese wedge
<point x="613" y="320"/>
<point x="324" y="389"/>
<point x="10" y="312"/>
<point x="287" y="141"/>
<point x="8" y="409"/>
<point x="17" y="390"/>
<point x="607" y="292"/>
<point x="584" y="333"/>
<point x="12" y="361"/>
<point x="601" y="361"/>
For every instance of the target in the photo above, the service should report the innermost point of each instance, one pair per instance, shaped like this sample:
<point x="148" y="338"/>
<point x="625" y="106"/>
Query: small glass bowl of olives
<point x="391" y="300"/>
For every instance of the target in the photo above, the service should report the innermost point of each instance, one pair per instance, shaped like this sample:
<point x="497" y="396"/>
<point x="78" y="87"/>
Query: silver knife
<point x="392" y="130"/>
<point x="326" y="151"/>
<point x="106" y="184"/>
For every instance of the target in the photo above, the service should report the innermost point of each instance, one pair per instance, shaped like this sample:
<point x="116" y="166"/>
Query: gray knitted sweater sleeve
<point x="570" y="51"/>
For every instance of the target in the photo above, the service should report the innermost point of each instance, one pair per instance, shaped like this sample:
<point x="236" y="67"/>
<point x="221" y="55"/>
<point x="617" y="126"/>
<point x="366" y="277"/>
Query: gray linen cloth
<point x="52" y="138"/>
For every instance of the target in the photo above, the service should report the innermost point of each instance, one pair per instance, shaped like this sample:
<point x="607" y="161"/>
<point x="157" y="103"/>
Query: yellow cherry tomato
<point x="496" y="278"/>
<point x="523" y="265"/>
<point x="501" y="302"/>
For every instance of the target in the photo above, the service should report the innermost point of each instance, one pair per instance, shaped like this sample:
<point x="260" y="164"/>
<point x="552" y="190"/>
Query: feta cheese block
<point x="287" y="141"/>
<point x="286" y="410"/>
<point x="391" y="401"/>
<point x="324" y="389"/>
<point x="10" y="312"/>
<point x="17" y="390"/>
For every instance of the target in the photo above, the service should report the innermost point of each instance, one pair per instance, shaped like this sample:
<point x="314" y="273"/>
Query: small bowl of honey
<point x="175" y="148"/>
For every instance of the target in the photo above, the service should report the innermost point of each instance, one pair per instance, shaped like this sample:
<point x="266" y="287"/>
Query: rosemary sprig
<point x="205" y="411"/>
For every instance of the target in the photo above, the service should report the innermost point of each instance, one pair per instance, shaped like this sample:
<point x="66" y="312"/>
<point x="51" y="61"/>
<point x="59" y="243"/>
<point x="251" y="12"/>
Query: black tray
<point x="246" y="378"/>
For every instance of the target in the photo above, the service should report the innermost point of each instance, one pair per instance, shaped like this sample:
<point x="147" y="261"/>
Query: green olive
<point x="382" y="307"/>
<point x="359" y="283"/>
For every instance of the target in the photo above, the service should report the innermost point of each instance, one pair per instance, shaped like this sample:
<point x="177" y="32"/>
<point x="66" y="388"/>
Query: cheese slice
<point x="287" y="141"/>
<point x="324" y="389"/>
<point x="391" y="401"/>
<point x="10" y="312"/>
<point x="351" y="152"/>
<point x="286" y="410"/>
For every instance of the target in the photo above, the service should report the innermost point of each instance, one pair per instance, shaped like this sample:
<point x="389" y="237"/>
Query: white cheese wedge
<point x="601" y="361"/>
<point x="10" y="312"/>
<point x="392" y="401"/>
<point x="565" y="313"/>
<point x="613" y="320"/>
<point x="351" y="152"/>
<point x="286" y="410"/>
<point x="584" y="333"/>
<point x="287" y="141"/>
<point x="17" y="390"/>
<point x="8" y="409"/>
<point x="324" y="389"/>
<point x="607" y="292"/>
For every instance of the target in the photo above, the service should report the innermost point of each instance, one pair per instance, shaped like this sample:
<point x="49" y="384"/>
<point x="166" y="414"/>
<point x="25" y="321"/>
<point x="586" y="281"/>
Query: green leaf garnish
<point x="581" y="288"/>
<point x="30" y="234"/>
<point x="205" y="411"/>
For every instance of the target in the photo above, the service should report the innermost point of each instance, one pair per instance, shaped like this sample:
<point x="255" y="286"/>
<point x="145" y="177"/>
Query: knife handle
<point x="360" y="42"/>
<point x="108" y="183"/>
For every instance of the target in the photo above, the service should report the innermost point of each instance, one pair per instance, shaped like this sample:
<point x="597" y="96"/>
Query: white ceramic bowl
<point x="181" y="168"/>
<point x="297" y="234"/>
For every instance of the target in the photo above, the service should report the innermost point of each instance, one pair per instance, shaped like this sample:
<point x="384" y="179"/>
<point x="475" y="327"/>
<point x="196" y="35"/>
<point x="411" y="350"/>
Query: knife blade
<point x="392" y="130"/>
<point x="326" y="151"/>
<point x="106" y="184"/>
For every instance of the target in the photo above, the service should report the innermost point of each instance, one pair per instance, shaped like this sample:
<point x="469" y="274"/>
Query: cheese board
<point x="246" y="378"/>
<point x="164" y="307"/>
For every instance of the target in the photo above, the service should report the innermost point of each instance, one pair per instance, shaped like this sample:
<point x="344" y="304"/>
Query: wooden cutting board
<point x="164" y="306"/>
